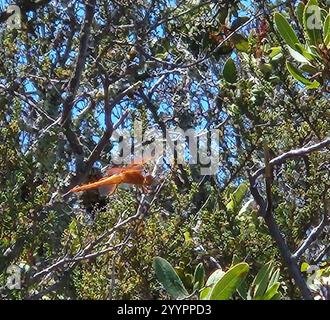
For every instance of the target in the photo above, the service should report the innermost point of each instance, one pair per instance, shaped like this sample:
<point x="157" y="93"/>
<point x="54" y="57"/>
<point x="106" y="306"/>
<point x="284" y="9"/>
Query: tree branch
<point x="81" y="60"/>
<point x="310" y="239"/>
<point x="321" y="255"/>
<point x="104" y="140"/>
<point x="287" y="257"/>
<point x="266" y="211"/>
<point x="298" y="153"/>
<point x="315" y="233"/>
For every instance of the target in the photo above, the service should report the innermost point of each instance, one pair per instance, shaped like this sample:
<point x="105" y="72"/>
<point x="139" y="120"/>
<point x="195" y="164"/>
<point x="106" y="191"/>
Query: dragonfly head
<point x="148" y="180"/>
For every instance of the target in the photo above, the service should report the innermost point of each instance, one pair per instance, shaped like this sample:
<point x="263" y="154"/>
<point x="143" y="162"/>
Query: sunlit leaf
<point x="237" y="197"/>
<point x="304" y="267"/>
<point x="274" y="278"/>
<point x="213" y="278"/>
<point x="297" y="56"/>
<point x="307" y="53"/>
<point x="271" y="292"/>
<point x="227" y="285"/>
<point x="275" y="51"/>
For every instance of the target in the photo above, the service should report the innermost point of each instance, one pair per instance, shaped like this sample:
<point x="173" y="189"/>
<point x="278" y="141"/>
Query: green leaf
<point x="188" y="280"/>
<point x="326" y="31"/>
<point x="230" y="71"/>
<point x="297" y="74"/>
<point x="275" y="51"/>
<point x="167" y="276"/>
<point x="313" y="22"/>
<point x="260" y="282"/>
<point x="307" y="53"/>
<point x="229" y="282"/>
<point x="274" y="278"/>
<point x="309" y="69"/>
<point x="199" y="277"/>
<point x="73" y="227"/>
<point x="304" y="267"/>
<point x="297" y="56"/>
<point x="314" y="85"/>
<point x="187" y="237"/>
<point x="161" y="55"/>
<point x="222" y="15"/>
<point x="237" y="197"/>
<point x="213" y="278"/>
<point x="240" y="43"/>
<point x="300" y="12"/>
<point x="243" y="289"/>
<point x="266" y="69"/>
<point x="285" y="30"/>
<point x="271" y="292"/>
<point x="277" y="296"/>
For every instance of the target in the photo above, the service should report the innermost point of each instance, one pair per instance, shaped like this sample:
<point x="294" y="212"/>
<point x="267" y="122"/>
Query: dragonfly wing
<point x="144" y="160"/>
<point x="108" y="190"/>
<point x="125" y="186"/>
<point x="114" y="170"/>
<point x="134" y="168"/>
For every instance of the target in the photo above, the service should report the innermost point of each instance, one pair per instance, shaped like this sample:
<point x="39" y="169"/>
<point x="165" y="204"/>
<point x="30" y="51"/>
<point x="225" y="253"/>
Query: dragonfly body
<point x="133" y="174"/>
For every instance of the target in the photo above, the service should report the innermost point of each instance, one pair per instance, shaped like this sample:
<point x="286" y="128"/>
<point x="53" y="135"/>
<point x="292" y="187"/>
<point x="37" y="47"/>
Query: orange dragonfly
<point x="132" y="174"/>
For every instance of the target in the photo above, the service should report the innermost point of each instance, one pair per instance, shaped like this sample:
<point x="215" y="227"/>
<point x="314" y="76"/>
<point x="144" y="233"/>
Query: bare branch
<point x="298" y="153"/>
<point x="321" y="255"/>
<point x="315" y="233"/>
<point x="34" y="105"/>
<point x="81" y="60"/>
<point x="310" y="239"/>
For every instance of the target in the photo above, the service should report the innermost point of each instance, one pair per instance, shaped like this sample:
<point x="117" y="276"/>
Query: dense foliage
<point x="75" y="72"/>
